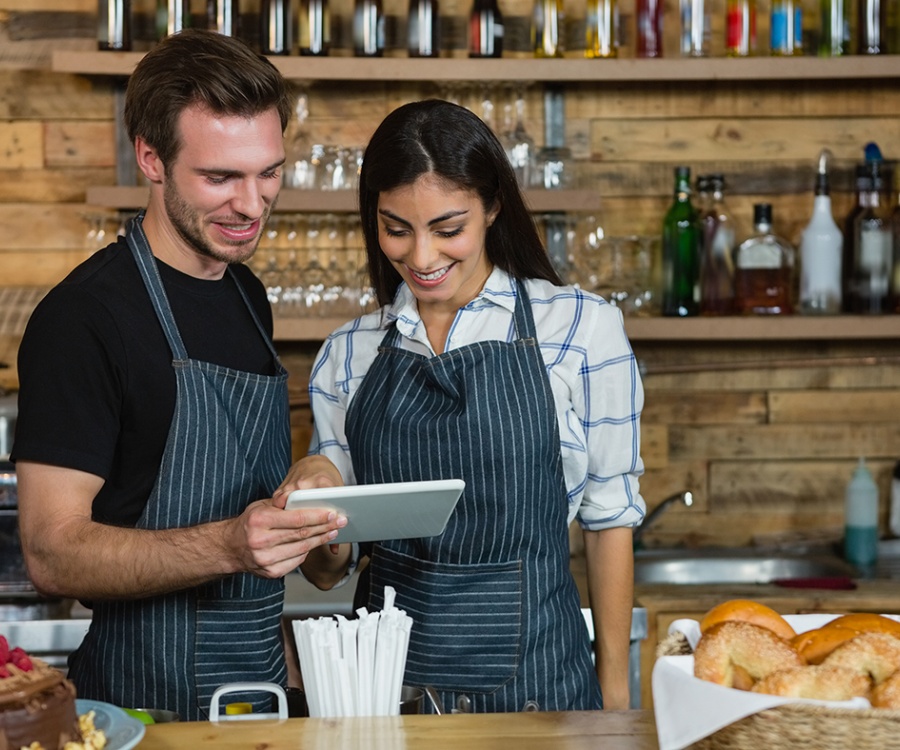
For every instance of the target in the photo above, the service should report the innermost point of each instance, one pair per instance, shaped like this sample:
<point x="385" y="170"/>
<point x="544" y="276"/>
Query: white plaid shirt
<point x="593" y="375"/>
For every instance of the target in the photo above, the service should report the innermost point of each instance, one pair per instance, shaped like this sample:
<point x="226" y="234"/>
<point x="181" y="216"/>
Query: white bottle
<point x="821" y="249"/>
<point x="861" y="518"/>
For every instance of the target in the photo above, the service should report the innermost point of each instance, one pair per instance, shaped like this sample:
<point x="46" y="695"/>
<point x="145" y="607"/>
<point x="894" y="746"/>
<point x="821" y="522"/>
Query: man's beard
<point x="187" y="224"/>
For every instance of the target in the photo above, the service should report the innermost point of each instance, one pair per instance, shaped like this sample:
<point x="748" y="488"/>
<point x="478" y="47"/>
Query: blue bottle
<point x="861" y="518"/>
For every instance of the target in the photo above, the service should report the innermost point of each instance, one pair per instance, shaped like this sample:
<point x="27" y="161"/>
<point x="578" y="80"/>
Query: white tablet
<point x="375" y="512"/>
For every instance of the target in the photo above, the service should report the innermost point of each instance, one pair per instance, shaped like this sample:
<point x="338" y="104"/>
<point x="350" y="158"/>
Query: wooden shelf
<point x="751" y="328"/>
<point x="524" y="70"/>
<point x="337" y="201"/>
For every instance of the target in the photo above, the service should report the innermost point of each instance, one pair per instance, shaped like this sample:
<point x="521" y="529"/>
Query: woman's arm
<point x="610" y="575"/>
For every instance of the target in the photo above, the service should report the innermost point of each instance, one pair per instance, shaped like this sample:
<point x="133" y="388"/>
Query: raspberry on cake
<point x="37" y="703"/>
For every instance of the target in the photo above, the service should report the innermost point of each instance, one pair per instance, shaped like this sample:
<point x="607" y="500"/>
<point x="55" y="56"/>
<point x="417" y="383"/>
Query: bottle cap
<point x="762" y="213"/>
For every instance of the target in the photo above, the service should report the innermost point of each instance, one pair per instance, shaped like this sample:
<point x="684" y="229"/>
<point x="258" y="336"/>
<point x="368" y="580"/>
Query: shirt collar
<point x="499" y="289"/>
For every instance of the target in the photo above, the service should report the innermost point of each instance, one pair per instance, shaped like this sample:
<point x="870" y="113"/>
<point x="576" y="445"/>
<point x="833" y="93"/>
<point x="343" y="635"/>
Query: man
<point x="153" y="423"/>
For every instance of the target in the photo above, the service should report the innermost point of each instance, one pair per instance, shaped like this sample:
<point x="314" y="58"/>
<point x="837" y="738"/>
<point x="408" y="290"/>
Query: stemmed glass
<point x="519" y="145"/>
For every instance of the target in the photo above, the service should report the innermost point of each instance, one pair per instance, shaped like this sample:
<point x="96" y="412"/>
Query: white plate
<point x="123" y="732"/>
<point x="397" y="510"/>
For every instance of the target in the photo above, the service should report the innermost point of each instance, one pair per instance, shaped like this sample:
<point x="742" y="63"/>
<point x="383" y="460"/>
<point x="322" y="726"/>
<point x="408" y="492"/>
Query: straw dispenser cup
<point x="354" y="667"/>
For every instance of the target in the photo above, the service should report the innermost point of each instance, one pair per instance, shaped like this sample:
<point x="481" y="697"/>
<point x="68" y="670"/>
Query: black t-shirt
<point x="96" y="385"/>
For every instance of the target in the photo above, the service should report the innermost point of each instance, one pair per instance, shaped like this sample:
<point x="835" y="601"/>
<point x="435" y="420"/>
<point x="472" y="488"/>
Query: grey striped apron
<point x="228" y="445"/>
<point x="496" y="613"/>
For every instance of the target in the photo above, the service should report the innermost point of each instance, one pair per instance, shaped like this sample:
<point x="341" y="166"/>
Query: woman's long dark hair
<point x="439" y="137"/>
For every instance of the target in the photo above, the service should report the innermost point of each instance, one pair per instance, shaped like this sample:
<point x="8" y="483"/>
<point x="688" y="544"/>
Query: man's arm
<point x="610" y="572"/>
<point x="68" y="554"/>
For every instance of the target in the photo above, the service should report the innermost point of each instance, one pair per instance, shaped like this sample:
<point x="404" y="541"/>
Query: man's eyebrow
<point x="238" y="172"/>
<point x="436" y="220"/>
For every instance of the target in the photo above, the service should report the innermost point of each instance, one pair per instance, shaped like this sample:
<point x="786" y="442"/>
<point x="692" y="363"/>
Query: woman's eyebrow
<point x="443" y="217"/>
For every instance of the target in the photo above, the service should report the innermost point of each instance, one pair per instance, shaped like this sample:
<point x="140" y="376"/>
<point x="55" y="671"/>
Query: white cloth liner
<point x="688" y="709"/>
<point x="354" y="667"/>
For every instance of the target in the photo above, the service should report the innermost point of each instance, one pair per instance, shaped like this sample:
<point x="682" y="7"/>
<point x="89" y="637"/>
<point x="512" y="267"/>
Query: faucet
<point x="685" y="497"/>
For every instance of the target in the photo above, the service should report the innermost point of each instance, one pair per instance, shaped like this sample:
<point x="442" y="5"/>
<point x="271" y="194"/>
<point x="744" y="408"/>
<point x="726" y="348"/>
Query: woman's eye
<point x="448" y="233"/>
<point x="392" y="232"/>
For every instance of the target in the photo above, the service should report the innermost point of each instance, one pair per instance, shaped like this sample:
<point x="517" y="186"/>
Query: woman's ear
<point x="492" y="214"/>
<point x="148" y="161"/>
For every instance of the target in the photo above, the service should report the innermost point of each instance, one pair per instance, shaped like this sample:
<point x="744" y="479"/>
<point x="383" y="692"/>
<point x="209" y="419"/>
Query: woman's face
<point x="434" y="233"/>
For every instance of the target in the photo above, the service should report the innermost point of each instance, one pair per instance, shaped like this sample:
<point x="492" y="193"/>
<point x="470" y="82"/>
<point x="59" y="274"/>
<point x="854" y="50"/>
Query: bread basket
<point x="798" y="725"/>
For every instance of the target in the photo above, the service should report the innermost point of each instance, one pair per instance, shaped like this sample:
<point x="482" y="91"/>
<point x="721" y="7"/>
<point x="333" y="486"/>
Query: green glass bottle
<point x="681" y="251"/>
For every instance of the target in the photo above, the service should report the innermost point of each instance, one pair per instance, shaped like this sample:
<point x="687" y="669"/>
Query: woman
<point x="481" y="365"/>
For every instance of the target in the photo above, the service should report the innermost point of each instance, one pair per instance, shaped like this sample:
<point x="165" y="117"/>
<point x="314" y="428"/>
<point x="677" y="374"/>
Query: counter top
<point x="576" y="730"/>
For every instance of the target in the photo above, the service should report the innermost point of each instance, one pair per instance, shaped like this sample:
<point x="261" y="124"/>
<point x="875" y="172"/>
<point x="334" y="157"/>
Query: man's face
<point x="223" y="184"/>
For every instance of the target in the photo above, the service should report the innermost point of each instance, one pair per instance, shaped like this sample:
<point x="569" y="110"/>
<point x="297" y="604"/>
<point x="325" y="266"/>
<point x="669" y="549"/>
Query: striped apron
<point x="496" y="613"/>
<point x="228" y="445"/>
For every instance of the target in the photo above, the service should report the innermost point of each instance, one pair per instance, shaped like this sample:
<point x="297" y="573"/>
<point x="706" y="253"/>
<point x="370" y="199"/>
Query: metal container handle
<point x="243" y="687"/>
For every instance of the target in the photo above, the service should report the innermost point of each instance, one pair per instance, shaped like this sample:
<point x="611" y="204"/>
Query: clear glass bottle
<point x="649" y="22"/>
<point x="423" y="29"/>
<point x="114" y="25"/>
<point x="172" y="16"/>
<point x="276" y="22"/>
<point x="547" y="28"/>
<point x="763" y="269"/>
<point x="602" y="29"/>
<point x="821" y="251"/>
<point x="740" y="28"/>
<point x="223" y="16"/>
<point x="834" y="28"/>
<point x="368" y="28"/>
<point x="871" y="245"/>
<point x="695" y="28"/>
<point x="681" y="251"/>
<point x="871" y="27"/>
<point x="314" y="28"/>
<point x="485" y="29"/>
<point x="716" y="251"/>
<point x="786" y="28"/>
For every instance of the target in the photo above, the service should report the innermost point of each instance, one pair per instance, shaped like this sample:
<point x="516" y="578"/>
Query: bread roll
<point x="747" y="610"/>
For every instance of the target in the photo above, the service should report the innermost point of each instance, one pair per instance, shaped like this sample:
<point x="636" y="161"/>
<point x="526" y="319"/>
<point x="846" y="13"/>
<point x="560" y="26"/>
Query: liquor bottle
<point x="485" y="29"/>
<point x="649" y="19"/>
<point x="172" y="16"/>
<point x="871" y="247"/>
<point x="716" y="252"/>
<point x="786" y="28"/>
<point x="681" y="251"/>
<point x="821" y="251"/>
<point x="276" y="23"/>
<point x="547" y="28"/>
<point x="423" y="28"/>
<point x="222" y="16"/>
<point x="695" y="28"/>
<point x="602" y="29"/>
<point x="834" y="28"/>
<point x="368" y="28"/>
<point x="114" y="25"/>
<point x="314" y="28"/>
<point x="763" y="269"/>
<point x="740" y="28"/>
<point x="871" y="27"/>
<point x="895" y="235"/>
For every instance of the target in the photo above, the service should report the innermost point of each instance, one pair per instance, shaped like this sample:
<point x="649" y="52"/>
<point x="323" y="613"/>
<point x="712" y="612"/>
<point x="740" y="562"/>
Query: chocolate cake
<point x="37" y="703"/>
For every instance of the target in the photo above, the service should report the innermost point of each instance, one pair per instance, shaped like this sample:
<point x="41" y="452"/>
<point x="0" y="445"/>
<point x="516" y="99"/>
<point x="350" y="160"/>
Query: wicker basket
<point x="799" y="725"/>
<point x="809" y="726"/>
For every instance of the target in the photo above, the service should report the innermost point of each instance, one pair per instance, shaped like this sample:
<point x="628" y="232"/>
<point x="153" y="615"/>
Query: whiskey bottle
<point x="602" y="29"/>
<point x="485" y="29"/>
<point x="423" y="28"/>
<point x="114" y="25"/>
<point x="223" y="16"/>
<point x="314" y="28"/>
<point x="871" y="246"/>
<point x="649" y="21"/>
<point x="276" y="20"/>
<point x="547" y="28"/>
<point x="763" y="269"/>
<point x="368" y="28"/>
<point x="717" y="251"/>
<point x="172" y="16"/>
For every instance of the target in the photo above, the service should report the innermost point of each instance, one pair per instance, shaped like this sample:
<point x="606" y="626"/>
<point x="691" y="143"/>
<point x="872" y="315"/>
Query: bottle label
<point x="875" y="250"/>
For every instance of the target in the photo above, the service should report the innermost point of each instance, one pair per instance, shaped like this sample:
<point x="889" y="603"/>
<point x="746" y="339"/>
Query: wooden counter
<point x="577" y="730"/>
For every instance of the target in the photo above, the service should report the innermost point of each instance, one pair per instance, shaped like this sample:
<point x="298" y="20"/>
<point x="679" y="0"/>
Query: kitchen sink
<point x="730" y="565"/>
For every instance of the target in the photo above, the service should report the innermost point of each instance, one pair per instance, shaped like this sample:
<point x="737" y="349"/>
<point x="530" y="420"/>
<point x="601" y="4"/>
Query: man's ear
<point x="148" y="161"/>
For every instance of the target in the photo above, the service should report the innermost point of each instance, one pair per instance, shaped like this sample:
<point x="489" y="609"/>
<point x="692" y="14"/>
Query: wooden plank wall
<point x="765" y="435"/>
